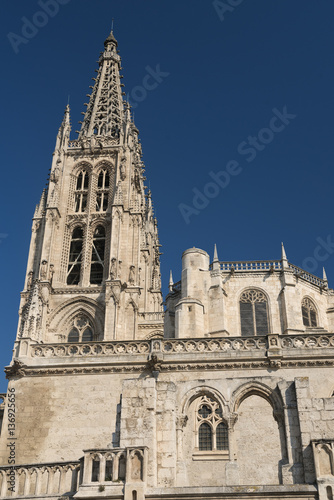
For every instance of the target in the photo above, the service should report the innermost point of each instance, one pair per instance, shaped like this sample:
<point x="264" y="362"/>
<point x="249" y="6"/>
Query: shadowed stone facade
<point x="227" y="394"/>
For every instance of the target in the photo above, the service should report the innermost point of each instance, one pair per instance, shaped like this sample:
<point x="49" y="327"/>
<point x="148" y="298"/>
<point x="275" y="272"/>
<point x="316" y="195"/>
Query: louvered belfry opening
<point x="97" y="260"/>
<point x="254" y="313"/>
<point x="75" y="257"/>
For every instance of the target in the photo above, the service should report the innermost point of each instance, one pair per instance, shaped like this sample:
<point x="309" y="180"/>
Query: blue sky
<point x="226" y="73"/>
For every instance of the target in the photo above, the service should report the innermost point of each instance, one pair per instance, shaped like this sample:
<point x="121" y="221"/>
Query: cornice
<point x="165" y="367"/>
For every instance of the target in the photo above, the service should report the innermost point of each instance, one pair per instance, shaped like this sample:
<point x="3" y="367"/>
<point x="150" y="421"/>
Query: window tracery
<point x="81" y="330"/>
<point x="212" y="430"/>
<point x="309" y="313"/>
<point x="254" y="313"/>
<point x="75" y="257"/>
<point x="97" y="259"/>
<point x="102" y="191"/>
<point x="81" y="191"/>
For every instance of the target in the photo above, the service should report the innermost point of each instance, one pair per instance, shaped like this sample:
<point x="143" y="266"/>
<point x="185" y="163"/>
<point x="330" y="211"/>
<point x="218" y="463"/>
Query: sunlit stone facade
<point x="226" y="394"/>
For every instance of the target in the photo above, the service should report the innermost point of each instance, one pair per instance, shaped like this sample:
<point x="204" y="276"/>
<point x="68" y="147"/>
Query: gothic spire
<point x="64" y="131"/>
<point x="104" y="114"/>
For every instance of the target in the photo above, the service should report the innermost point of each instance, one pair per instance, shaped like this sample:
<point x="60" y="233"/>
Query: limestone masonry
<point x="228" y="393"/>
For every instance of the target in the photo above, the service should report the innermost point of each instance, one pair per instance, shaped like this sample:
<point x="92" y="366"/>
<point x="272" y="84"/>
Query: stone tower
<point x="93" y="270"/>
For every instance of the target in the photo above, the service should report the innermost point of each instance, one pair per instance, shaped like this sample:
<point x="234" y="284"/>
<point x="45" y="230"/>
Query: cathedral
<point x="223" y="391"/>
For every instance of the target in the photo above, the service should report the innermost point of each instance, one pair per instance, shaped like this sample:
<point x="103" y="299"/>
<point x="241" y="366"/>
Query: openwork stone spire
<point x="104" y="114"/>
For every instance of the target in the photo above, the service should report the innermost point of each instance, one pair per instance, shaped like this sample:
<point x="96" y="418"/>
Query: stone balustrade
<point x="109" y="467"/>
<point x="227" y="345"/>
<point x="112" y="466"/>
<point x="39" y="479"/>
<point x="300" y="273"/>
<point x="250" y="266"/>
<point x="269" y="266"/>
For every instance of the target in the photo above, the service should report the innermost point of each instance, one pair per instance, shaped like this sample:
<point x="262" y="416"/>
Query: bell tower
<point x="93" y="270"/>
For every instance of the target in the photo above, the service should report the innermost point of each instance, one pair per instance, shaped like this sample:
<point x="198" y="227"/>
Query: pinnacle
<point x="171" y="282"/>
<point x="324" y="275"/>
<point x="215" y="254"/>
<point x="284" y="257"/>
<point x="110" y="39"/>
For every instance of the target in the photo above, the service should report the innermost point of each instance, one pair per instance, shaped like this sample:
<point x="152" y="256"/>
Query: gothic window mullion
<point x="309" y="314"/>
<point x="86" y="255"/>
<point x="254" y="318"/>
<point x="209" y="420"/>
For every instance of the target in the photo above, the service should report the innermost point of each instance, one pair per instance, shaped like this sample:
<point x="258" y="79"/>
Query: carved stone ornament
<point x="132" y="275"/>
<point x="43" y="271"/>
<point x="181" y="422"/>
<point x="30" y="280"/>
<point x="122" y="168"/>
<point x="113" y="268"/>
<point x="154" y="364"/>
<point x="275" y="363"/>
<point x="16" y="369"/>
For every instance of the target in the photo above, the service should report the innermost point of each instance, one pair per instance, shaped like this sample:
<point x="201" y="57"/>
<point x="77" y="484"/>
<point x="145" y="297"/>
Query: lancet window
<point x="81" y="191"/>
<point x="102" y="191"/>
<point x="81" y="330"/>
<point x="254" y="313"/>
<point x="309" y="312"/>
<point x="75" y="257"/>
<point x="97" y="260"/>
<point x="212" y="430"/>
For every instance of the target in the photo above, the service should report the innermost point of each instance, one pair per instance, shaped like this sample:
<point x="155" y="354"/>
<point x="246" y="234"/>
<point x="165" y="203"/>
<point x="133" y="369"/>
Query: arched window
<point x="254" y="313"/>
<point x="97" y="261"/>
<point x="81" y="191"/>
<point x="87" y="335"/>
<point x="102" y="191"/>
<point x="222" y="436"/>
<point x="212" y="430"/>
<point x="81" y="330"/>
<point x="204" y="437"/>
<point x="75" y="257"/>
<point x="73" y="335"/>
<point x="309" y="312"/>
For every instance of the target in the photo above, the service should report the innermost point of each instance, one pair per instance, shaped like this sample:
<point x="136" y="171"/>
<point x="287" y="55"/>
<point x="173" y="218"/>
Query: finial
<point x="111" y="38"/>
<point x="284" y="258"/>
<point x="112" y="24"/>
<point x="215" y="262"/>
<point x="171" y="282"/>
<point x="215" y="254"/>
<point x="324" y="275"/>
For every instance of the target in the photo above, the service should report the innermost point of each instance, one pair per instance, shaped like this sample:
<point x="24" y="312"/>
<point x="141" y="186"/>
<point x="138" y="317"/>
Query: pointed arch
<point x="82" y="165"/>
<point x="63" y="317"/>
<point x="130" y="319"/>
<point x="157" y="334"/>
<point x="200" y="391"/>
<point x="258" y="389"/>
<point x="310" y="313"/>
